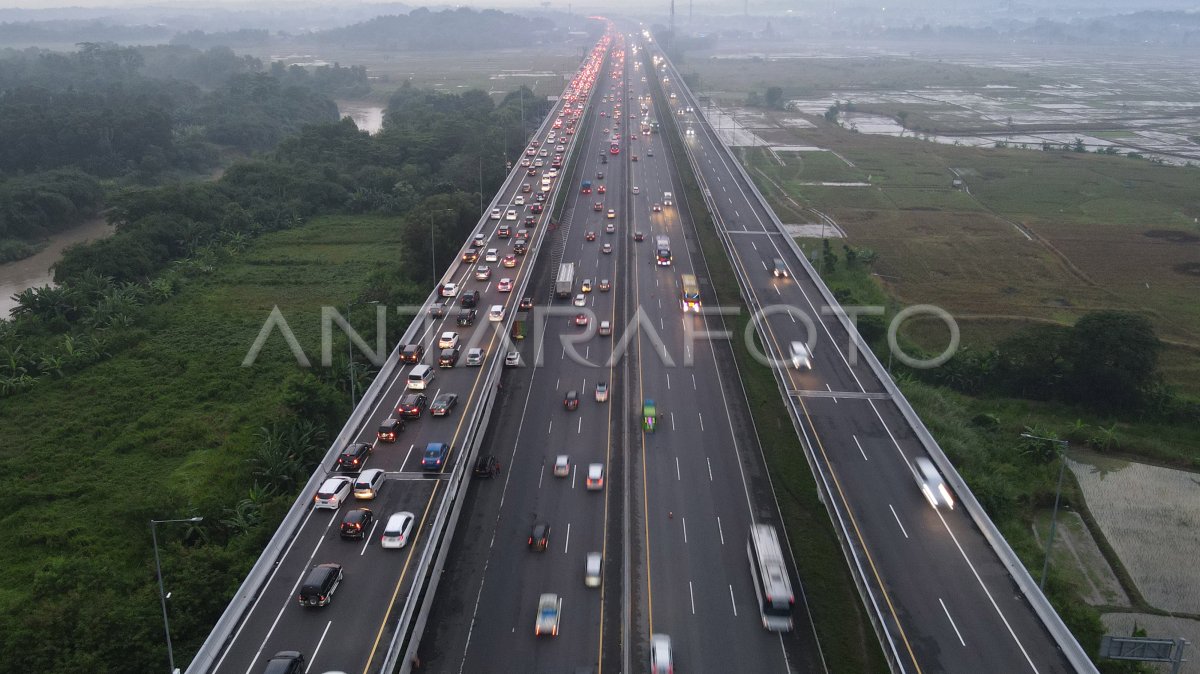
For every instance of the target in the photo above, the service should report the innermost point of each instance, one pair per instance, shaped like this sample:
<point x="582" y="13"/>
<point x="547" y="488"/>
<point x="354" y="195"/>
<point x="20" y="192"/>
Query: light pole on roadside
<point x="432" y="243"/>
<point x="350" y="349"/>
<point x="1062" y="465"/>
<point x="162" y="596"/>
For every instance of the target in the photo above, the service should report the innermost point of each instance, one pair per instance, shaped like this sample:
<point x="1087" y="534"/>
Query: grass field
<point x="818" y="76"/>
<point x="166" y="430"/>
<point x="1043" y="236"/>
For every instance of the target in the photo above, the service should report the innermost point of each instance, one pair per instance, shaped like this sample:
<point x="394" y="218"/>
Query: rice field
<point x="1150" y="516"/>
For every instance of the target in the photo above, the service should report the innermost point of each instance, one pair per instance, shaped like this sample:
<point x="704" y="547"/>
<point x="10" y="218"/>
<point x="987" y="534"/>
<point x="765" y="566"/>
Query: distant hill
<point x="461" y="29"/>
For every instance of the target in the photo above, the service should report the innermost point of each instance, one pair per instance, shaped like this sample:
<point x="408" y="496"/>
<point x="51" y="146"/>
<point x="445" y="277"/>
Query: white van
<point x="419" y="377"/>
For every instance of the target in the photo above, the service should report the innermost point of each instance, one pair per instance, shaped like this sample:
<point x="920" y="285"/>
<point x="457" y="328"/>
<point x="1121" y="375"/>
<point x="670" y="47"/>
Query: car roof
<point x="335" y="482"/>
<point x="396" y="518"/>
<point x="370" y="474"/>
<point x="595" y="468"/>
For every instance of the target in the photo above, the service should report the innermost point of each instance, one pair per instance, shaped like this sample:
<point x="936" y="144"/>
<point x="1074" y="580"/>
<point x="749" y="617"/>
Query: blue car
<point x="435" y="455"/>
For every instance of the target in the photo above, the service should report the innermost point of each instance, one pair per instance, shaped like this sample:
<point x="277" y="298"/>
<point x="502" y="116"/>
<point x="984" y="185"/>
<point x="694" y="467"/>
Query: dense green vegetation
<point x="81" y="126"/>
<point x="125" y="379"/>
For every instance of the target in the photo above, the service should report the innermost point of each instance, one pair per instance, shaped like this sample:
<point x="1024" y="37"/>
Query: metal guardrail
<point x="1053" y="623"/>
<point x="250" y="589"/>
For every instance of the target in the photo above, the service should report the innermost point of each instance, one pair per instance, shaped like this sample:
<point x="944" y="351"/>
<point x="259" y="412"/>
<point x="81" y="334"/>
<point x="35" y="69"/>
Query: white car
<point x="492" y="255"/>
<point x="800" y="356"/>
<point x="495" y="213"/>
<point x="562" y="465"/>
<point x="595" y="476"/>
<point x="605" y="328"/>
<point x="448" y="340"/>
<point x="449" y="289"/>
<point x="580" y="300"/>
<point x="396" y="533"/>
<point x="475" y="356"/>
<point x="661" y="660"/>
<point x="332" y="492"/>
<point x="520" y="200"/>
<point x="483" y="272"/>
<point x="549" y="609"/>
<point x="512" y="359"/>
<point x="511" y="215"/>
<point x="636" y="190"/>
<point x="496" y="313"/>
<point x="932" y="484"/>
<point x="591" y="569"/>
<point x="366" y="485"/>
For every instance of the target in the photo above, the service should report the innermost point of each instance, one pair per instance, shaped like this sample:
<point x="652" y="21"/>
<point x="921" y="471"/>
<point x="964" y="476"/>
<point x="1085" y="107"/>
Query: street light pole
<point x="162" y="596"/>
<point x="350" y="350"/>
<point x="1062" y="466"/>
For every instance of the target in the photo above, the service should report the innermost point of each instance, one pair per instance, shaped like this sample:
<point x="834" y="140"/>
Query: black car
<point x="411" y="353"/>
<point x="470" y="299"/>
<point x="437" y="309"/>
<point x="466" y="317"/>
<point x="520" y="247"/>
<point x="470" y="257"/>
<point x="412" y="404"/>
<point x="539" y="537"/>
<point x="285" y="662"/>
<point x="487" y="466"/>
<point x="571" y="401"/>
<point x="443" y="404"/>
<point x="356" y="523"/>
<point x="389" y="430"/>
<point x="448" y="357"/>
<point x="526" y="304"/>
<point x="353" y="456"/>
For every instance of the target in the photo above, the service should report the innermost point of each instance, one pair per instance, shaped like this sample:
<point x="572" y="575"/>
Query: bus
<point x="662" y="251"/>
<point x="691" y="294"/>
<point x="771" y="582"/>
<point x="614" y="148"/>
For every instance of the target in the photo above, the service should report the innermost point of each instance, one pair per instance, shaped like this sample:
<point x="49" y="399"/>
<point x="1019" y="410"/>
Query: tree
<point x="774" y="97"/>
<point x="1113" y="357"/>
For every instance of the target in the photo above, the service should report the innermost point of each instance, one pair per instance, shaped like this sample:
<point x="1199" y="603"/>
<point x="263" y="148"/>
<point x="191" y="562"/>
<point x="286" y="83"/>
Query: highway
<point x="673" y="517"/>
<point x="352" y="632"/>
<point x="949" y="604"/>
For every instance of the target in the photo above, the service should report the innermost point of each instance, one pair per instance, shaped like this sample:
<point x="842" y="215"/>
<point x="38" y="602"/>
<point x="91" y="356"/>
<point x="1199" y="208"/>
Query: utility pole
<point x="1062" y="465"/>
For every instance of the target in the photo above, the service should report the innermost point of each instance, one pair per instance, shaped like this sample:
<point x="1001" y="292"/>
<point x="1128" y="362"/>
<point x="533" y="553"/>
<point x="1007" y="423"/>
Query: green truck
<point x="519" y="327"/>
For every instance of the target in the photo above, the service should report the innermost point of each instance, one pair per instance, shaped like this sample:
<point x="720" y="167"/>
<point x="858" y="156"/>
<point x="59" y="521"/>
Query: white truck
<point x="564" y="285"/>
<point x="668" y="199"/>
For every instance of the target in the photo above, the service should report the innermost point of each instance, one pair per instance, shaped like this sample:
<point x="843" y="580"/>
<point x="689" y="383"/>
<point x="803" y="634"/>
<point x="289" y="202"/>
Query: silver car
<point x="398" y="529"/>
<point x="800" y="356"/>
<point x="933" y="485"/>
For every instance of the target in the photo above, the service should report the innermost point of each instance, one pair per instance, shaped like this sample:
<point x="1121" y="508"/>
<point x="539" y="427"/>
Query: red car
<point x="598" y="206"/>
<point x="601" y="189"/>
<point x="505" y="285"/>
<point x="591" y="236"/>
<point x="581" y="320"/>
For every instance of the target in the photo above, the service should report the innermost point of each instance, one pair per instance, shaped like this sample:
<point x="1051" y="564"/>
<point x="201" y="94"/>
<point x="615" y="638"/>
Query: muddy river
<point x="35" y="271"/>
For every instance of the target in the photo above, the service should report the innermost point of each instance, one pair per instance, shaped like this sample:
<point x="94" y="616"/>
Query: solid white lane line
<point x="701" y="416"/>
<point x="580" y="428"/>
<point x="406" y="455"/>
<point x="367" y="539"/>
<point x="720" y="530"/>
<point x="692" y="597"/>
<point x="951" y="619"/>
<point x="668" y="381"/>
<point x="732" y="602"/>
<point x="318" y="648"/>
<point x="898" y="522"/>
<point x="677" y="478"/>
<point x="694" y="387"/>
<point x="550" y="427"/>
<point x="709" y="462"/>
<point x="672" y="421"/>
<point x="567" y="543"/>
<point x="683" y="520"/>
<point x="860" y="449"/>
